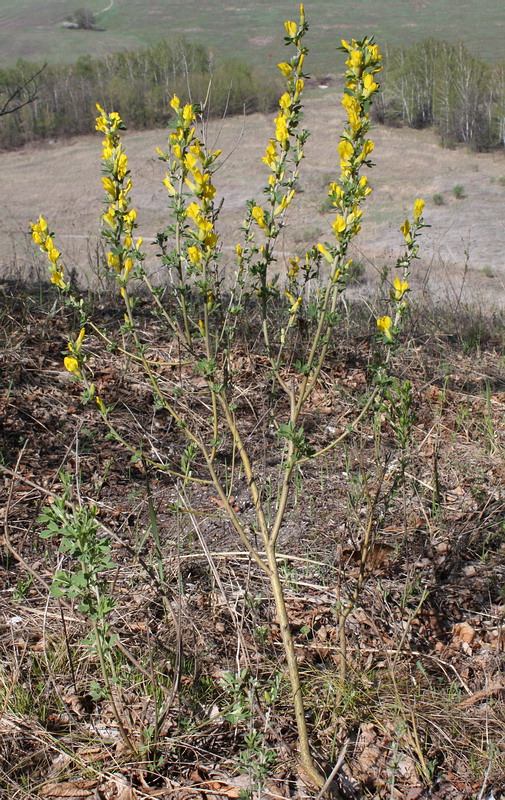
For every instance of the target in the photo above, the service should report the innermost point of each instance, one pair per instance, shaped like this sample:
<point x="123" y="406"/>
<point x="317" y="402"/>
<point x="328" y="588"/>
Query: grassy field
<point x="31" y="29"/>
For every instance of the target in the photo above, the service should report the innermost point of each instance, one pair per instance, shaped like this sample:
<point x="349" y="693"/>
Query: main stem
<point x="306" y="760"/>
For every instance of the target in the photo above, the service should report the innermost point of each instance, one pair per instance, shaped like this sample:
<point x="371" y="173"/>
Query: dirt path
<point x="108" y="8"/>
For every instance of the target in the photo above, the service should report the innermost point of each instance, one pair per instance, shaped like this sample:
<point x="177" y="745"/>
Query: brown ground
<point x="61" y="181"/>
<point x="421" y="713"/>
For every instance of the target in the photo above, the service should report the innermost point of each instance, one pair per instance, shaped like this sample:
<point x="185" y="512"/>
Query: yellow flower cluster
<point x="354" y="149"/>
<point x="191" y="166"/>
<point x="285" y="122"/>
<point x="73" y="362"/>
<point x="119" y="217"/>
<point x="42" y="237"/>
<point x="387" y="327"/>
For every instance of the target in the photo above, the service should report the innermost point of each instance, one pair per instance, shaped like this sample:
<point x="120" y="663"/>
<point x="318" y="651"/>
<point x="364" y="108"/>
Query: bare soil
<point x="461" y="254"/>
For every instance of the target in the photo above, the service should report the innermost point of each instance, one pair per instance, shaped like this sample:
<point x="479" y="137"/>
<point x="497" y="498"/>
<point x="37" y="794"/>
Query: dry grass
<point x="423" y="706"/>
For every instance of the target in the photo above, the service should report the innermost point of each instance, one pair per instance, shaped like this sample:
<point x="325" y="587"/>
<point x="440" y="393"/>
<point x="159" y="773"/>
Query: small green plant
<point x="438" y="199"/>
<point x="458" y="191"/>
<point x="84" y="580"/>
<point x="243" y="693"/>
<point x="21" y="589"/>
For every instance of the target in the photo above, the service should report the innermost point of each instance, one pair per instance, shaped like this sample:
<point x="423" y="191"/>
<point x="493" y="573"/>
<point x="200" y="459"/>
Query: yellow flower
<point x="195" y="255"/>
<point x="300" y="83"/>
<point x="339" y="226"/>
<point x="405" y="229"/>
<point x="128" y="266"/>
<point x="285" y="101"/>
<point x="259" y="215"/>
<point x="58" y="279"/>
<point x="121" y="165"/>
<point x="285" y="68"/>
<point x="110" y="187"/>
<point x="41" y="226"/>
<point x="291" y="28"/>
<point x="400" y="287"/>
<point x="130" y="217"/>
<point x="284" y="203"/>
<point x="368" y="146"/>
<point x="175" y="103"/>
<point x="115" y="120"/>
<point x="346" y="152"/>
<point x="239" y="251"/>
<point x="113" y="261"/>
<point x="271" y="156"/>
<point x="335" y="191"/>
<point x="322" y="249"/>
<point x="71" y="364"/>
<point x="194" y="212"/>
<point x="374" y="53"/>
<point x="384" y="325"/>
<point x="295" y="302"/>
<point x="370" y="85"/>
<point x="202" y="186"/>
<point x="53" y="255"/>
<point x="190" y="161"/>
<point x="197" y="151"/>
<point x="210" y="240"/>
<point x="101" y="405"/>
<point x="418" y="209"/>
<point x="281" y="129"/>
<point x="355" y="60"/>
<point x="204" y="225"/>
<point x="353" y="110"/>
<point x="109" y="217"/>
<point x="188" y="114"/>
<point x="101" y="124"/>
<point x="79" y="340"/>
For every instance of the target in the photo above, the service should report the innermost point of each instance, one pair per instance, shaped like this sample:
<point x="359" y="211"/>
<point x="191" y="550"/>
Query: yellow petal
<point x="71" y="364"/>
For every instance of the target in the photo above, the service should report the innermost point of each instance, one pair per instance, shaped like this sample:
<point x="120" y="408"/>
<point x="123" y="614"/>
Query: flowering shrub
<point x="205" y="324"/>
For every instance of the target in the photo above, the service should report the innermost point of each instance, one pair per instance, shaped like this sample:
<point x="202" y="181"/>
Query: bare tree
<point x="13" y="99"/>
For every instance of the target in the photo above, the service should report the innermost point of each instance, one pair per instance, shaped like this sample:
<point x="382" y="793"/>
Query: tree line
<point x="431" y="84"/>
<point x="441" y="85"/>
<point x="137" y="84"/>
